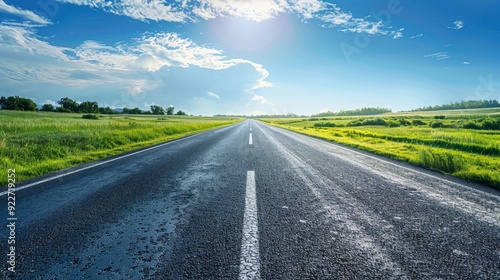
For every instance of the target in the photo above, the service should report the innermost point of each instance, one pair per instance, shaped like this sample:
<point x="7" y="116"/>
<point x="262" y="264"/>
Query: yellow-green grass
<point x="38" y="143"/>
<point x="466" y="153"/>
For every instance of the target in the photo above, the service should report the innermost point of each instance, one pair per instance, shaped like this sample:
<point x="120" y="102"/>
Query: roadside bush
<point x="472" y="125"/>
<point x="363" y="122"/>
<point x="491" y="124"/>
<point x="393" y="124"/>
<point x="418" y="122"/>
<point x="327" y="124"/>
<point x="440" y="117"/>
<point x="90" y="117"/>
<point x="436" y="124"/>
<point x="404" y="122"/>
<point x="374" y="121"/>
<point x="355" y="123"/>
<point x="487" y="124"/>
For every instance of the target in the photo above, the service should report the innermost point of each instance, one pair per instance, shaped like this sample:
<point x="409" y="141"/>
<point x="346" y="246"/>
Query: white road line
<point x="352" y="150"/>
<point x="97" y="164"/>
<point x="250" y="141"/>
<point x="250" y="260"/>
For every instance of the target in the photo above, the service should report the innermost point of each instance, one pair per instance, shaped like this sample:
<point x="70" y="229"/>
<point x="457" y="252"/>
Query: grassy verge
<point x="37" y="143"/>
<point x="464" y="145"/>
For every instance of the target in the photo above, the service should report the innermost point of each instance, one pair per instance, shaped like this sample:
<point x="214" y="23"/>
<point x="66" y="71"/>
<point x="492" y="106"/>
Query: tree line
<point x="470" y="104"/>
<point x="68" y="105"/>
<point x="357" y="112"/>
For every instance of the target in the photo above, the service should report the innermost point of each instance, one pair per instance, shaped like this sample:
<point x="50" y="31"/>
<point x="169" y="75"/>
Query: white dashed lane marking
<point x="250" y="260"/>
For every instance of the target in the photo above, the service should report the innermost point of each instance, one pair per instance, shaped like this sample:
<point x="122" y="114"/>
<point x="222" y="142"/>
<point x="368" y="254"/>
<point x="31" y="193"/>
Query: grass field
<point x="463" y="143"/>
<point x="37" y="143"/>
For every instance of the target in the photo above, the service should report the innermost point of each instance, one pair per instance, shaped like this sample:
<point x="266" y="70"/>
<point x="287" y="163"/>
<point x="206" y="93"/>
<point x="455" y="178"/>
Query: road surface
<point x="251" y="201"/>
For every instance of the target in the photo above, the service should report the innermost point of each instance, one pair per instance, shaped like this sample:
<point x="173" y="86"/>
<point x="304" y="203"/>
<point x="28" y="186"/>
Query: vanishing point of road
<point x="252" y="201"/>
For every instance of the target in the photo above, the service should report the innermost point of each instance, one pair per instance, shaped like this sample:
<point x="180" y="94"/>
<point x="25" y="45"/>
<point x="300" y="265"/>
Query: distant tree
<point x="47" y="108"/>
<point x="470" y="104"/>
<point x="106" y="110"/>
<point x="69" y="104"/>
<point x="170" y="110"/>
<point x="63" y="110"/>
<point x="88" y="107"/>
<point x="180" y="113"/>
<point x="26" y="104"/>
<point x="17" y="103"/>
<point x="357" y="112"/>
<point x="157" y="110"/>
<point x="136" y="110"/>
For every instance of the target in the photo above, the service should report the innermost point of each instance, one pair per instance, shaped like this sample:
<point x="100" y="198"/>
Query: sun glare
<point x="244" y="35"/>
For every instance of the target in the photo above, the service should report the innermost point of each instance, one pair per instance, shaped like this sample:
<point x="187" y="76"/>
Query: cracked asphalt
<point x="317" y="210"/>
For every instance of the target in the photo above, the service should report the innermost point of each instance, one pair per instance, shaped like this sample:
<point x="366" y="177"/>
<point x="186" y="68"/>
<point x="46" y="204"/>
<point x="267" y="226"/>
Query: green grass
<point x="454" y="147"/>
<point x="37" y="143"/>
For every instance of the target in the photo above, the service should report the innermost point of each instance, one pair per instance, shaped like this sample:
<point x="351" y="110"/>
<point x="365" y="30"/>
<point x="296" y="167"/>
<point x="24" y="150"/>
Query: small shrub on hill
<point x="436" y="124"/>
<point x="90" y="117"/>
<point x="472" y="125"/>
<point x="491" y="124"/>
<point x="418" y="122"/>
<point x="323" y="124"/>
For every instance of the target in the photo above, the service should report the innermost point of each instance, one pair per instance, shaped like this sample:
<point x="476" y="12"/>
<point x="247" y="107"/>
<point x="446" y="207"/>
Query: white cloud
<point x="307" y="8"/>
<point x="106" y="57"/>
<point x="466" y="63"/>
<point x="148" y="105"/>
<point x="397" y="34"/>
<point x="91" y="63"/>
<point x="149" y="9"/>
<point x="25" y="58"/>
<point x="334" y="17"/>
<point x="29" y="15"/>
<point x="417" y="36"/>
<point x="51" y="102"/>
<point x="359" y="25"/>
<point x="21" y="37"/>
<point x="211" y="94"/>
<point x="139" y="86"/>
<point x="261" y="82"/>
<point x="261" y="99"/>
<point x="157" y="10"/>
<point x="168" y="49"/>
<point x="255" y="10"/>
<point x="458" y="24"/>
<point x="438" y="56"/>
<point x="182" y="11"/>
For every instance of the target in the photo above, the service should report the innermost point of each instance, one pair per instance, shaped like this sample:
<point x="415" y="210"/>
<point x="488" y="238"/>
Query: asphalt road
<point x="253" y="201"/>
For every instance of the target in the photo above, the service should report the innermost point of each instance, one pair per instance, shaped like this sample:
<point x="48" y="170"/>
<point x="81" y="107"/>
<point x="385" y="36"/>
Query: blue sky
<point x="251" y="56"/>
